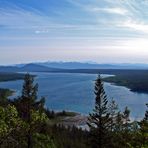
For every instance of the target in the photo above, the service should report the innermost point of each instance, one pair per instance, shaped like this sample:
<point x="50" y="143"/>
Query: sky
<point x="102" y="31"/>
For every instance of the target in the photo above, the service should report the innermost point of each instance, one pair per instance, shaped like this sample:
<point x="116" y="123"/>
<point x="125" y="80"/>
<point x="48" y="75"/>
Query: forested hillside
<point x="26" y="123"/>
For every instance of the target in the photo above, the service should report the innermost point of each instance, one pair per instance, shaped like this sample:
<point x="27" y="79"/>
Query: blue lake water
<point x="75" y="92"/>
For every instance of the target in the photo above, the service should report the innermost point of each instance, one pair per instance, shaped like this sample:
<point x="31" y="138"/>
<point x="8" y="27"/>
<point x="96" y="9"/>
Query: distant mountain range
<point x="67" y="66"/>
<point x="78" y="65"/>
<point x="27" y="68"/>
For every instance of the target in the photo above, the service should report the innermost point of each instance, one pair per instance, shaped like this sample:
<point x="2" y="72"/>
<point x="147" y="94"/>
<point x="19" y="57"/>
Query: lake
<point x="74" y="92"/>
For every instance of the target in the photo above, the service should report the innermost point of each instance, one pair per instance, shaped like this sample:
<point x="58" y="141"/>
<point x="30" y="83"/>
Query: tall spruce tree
<point x="28" y="103"/>
<point x="29" y="88"/>
<point x="28" y="99"/>
<point x="99" y="121"/>
<point x="31" y="112"/>
<point x="29" y="96"/>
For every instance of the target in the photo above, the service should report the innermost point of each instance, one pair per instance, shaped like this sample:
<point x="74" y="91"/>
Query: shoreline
<point x="114" y="79"/>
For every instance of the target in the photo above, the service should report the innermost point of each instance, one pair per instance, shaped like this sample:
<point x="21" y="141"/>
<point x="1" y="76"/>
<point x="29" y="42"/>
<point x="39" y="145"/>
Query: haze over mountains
<point x="63" y="66"/>
<point x="78" y="65"/>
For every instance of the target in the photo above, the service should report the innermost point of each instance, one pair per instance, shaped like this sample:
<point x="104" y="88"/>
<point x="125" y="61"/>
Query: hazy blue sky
<point x="103" y="31"/>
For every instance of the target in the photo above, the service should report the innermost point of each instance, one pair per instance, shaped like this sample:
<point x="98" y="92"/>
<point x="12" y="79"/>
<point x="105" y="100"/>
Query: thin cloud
<point x="85" y="29"/>
<point x="18" y="17"/>
<point x="116" y="10"/>
<point x="134" y="26"/>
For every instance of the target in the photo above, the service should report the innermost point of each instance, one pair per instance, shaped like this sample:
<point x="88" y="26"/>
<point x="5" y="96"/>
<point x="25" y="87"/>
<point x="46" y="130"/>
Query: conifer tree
<point x="113" y="108"/>
<point x="126" y="127"/>
<point x="28" y="104"/>
<point x="146" y="114"/>
<point x="29" y="99"/>
<point x="99" y="120"/>
<point x="118" y="122"/>
<point x="126" y="117"/>
<point x="29" y="88"/>
<point x="144" y="130"/>
<point x="29" y="95"/>
<point x="23" y="121"/>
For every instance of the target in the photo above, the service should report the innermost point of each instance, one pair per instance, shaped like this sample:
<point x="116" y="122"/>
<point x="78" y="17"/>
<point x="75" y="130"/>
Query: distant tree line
<point x="25" y="123"/>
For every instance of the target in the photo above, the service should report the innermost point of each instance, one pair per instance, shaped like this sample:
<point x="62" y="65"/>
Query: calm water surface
<point x="74" y="92"/>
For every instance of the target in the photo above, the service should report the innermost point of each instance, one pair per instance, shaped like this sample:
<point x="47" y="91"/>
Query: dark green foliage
<point x="111" y="128"/>
<point x="99" y="120"/>
<point x="4" y="94"/>
<point x="146" y="114"/>
<point x="25" y="122"/>
<point x="52" y="114"/>
<point x="10" y="76"/>
<point x="143" y="135"/>
<point x="28" y="100"/>
<point x="135" y="80"/>
<point x="11" y="128"/>
<point x="28" y="104"/>
<point x="68" y="137"/>
<point x="29" y="89"/>
<point x="118" y="123"/>
<point x="126" y="118"/>
<point x="113" y="110"/>
<point x="126" y="127"/>
<point x="30" y="112"/>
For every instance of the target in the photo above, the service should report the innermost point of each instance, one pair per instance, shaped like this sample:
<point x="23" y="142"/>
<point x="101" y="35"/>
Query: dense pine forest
<point x="26" y="123"/>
